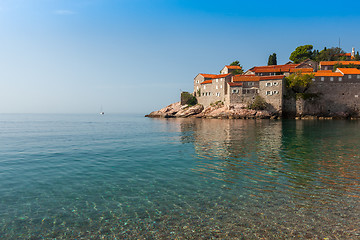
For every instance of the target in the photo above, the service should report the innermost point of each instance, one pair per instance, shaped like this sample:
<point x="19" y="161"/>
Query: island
<point x="315" y="84"/>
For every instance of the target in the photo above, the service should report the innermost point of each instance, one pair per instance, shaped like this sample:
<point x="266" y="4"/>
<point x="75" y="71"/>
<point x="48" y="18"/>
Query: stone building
<point x="230" y="69"/>
<point x="336" y="92"/>
<point x="329" y="65"/>
<point x="210" y="88"/>
<point x="285" y="69"/>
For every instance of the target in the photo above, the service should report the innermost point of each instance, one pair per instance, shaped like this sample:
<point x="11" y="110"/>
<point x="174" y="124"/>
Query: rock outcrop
<point x="218" y="110"/>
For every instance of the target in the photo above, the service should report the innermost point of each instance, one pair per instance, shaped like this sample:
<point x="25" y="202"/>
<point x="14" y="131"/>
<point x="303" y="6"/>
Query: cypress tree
<point x="272" y="59"/>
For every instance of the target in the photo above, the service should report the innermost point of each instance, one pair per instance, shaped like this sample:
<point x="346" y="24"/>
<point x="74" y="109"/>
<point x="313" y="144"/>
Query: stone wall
<point x="334" y="99"/>
<point x="272" y="92"/>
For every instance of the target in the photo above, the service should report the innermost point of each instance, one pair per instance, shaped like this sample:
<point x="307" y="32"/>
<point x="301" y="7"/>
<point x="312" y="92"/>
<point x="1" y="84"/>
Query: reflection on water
<point x="180" y="179"/>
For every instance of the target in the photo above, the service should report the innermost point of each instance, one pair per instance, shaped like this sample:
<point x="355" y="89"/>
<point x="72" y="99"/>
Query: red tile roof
<point x="274" y="68"/>
<point x="327" y="74"/>
<point x="213" y="76"/>
<point x="207" y="81"/>
<point x="332" y="63"/>
<point x="245" y="78"/>
<point x="303" y="70"/>
<point x="235" y="84"/>
<point x="233" y="67"/>
<point x="276" y="77"/>
<point x="349" y="70"/>
<point x="323" y="71"/>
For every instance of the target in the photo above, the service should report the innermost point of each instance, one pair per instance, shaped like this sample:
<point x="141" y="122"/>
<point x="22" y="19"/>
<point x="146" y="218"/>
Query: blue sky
<point x="135" y="56"/>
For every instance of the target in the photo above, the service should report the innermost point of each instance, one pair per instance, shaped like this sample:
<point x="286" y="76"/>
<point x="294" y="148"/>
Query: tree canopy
<point x="299" y="82"/>
<point x="235" y="63"/>
<point x="236" y="71"/>
<point x="301" y="53"/>
<point x="330" y="54"/>
<point x="272" y="59"/>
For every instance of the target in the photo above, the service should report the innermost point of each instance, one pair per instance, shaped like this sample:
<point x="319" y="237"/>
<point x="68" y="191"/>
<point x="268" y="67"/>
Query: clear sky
<point x="135" y="56"/>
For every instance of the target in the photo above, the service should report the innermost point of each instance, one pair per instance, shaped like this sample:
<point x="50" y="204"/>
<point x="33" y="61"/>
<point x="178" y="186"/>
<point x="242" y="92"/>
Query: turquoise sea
<point x="130" y="177"/>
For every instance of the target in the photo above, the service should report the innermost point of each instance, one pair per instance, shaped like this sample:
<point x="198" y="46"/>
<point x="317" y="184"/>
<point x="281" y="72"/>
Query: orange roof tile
<point x="213" y="76"/>
<point x="331" y="63"/>
<point x="276" y="77"/>
<point x="327" y="74"/>
<point x="345" y="54"/>
<point x="274" y="68"/>
<point x="233" y="67"/>
<point x="235" y="84"/>
<point x="303" y="70"/>
<point x="323" y="71"/>
<point x="246" y="78"/>
<point x="349" y="70"/>
<point x="207" y="81"/>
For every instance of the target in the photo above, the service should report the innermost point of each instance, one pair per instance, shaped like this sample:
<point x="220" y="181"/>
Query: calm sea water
<point x="130" y="177"/>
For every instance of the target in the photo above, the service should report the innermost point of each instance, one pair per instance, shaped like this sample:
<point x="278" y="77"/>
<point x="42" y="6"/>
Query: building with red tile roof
<point x="329" y="65"/>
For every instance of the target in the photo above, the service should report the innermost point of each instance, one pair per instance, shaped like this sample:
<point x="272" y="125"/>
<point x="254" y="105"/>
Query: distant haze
<point x="135" y="56"/>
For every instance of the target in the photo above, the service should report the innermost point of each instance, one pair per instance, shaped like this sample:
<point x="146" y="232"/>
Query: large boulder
<point x="166" y="112"/>
<point x="188" y="111"/>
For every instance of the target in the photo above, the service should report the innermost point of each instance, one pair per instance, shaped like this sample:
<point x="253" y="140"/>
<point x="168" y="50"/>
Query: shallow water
<point x="129" y="177"/>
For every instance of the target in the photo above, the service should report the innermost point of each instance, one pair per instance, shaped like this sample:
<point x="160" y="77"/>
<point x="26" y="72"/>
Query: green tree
<point x="331" y="54"/>
<point x="299" y="82"/>
<point x="237" y="71"/>
<point x="259" y="103"/>
<point x="301" y="53"/>
<point x="188" y="98"/>
<point x="235" y="63"/>
<point x="357" y="56"/>
<point x="272" y="59"/>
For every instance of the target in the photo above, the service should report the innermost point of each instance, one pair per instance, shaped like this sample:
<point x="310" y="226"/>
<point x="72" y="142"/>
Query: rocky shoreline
<point x="238" y="111"/>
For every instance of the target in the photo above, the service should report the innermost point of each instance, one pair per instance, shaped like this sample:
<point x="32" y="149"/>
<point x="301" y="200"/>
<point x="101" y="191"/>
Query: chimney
<point x="353" y="53"/>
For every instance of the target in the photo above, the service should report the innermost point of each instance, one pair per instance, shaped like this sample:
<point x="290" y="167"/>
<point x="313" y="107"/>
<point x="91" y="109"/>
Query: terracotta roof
<point x="349" y="70"/>
<point x="207" y="81"/>
<point x="235" y="84"/>
<point x="233" y="67"/>
<point x="345" y="54"/>
<point x="323" y="71"/>
<point x="245" y="78"/>
<point x="276" y="77"/>
<point x="303" y="70"/>
<point x="213" y="76"/>
<point x="274" y="68"/>
<point x="327" y="74"/>
<point x="331" y="63"/>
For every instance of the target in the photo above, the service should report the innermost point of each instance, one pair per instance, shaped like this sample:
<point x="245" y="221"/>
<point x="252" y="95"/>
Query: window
<point x="197" y="87"/>
<point x="331" y="79"/>
<point x="220" y="86"/>
<point x="358" y="76"/>
<point x="235" y="91"/>
<point x="268" y="93"/>
<point x="349" y="77"/>
<point x="204" y="87"/>
<point x="203" y="94"/>
<point x="216" y="87"/>
<point x="340" y="79"/>
<point x="268" y="84"/>
<point x="275" y="83"/>
<point x="313" y="79"/>
<point x="218" y="94"/>
<point x="217" y="80"/>
<point x="197" y="81"/>
<point x="322" y="79"/>
<point x="356" y="96"/>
